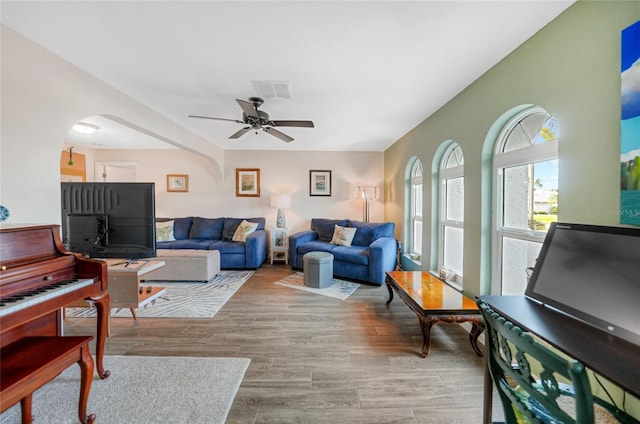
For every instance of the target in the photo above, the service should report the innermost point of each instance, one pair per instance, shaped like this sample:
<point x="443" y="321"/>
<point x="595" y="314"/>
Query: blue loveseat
<point x="217" y="234"/>
<point x="373" y="250"/>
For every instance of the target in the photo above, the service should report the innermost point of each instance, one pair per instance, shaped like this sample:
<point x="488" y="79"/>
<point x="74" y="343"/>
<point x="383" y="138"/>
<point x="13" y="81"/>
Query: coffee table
<point x="434" y="301"/>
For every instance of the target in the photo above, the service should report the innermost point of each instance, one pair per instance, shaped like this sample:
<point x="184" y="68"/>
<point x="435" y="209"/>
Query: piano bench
<point x="31" y="362"/>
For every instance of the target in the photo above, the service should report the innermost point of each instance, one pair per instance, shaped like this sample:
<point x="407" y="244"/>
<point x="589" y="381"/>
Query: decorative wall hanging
<point x="319" y="183"/>
<point x="630" y="126"/>
<point x="247" y="182"/>
<point x="177" y="182"/>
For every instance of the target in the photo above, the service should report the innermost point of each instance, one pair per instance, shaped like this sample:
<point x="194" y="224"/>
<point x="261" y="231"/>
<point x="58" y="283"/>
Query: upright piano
<point x="38" y="277"/>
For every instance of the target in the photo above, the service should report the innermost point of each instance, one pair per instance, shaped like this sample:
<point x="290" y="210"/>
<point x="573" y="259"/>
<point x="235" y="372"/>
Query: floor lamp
<point x="365" y="193"/>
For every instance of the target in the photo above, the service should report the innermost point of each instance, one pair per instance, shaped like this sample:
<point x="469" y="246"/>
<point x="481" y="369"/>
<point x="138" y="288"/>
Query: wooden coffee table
<point x="434" y="301"/>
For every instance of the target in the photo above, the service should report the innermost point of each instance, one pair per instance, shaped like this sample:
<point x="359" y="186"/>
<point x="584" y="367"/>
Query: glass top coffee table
<point x="434" y="301"/>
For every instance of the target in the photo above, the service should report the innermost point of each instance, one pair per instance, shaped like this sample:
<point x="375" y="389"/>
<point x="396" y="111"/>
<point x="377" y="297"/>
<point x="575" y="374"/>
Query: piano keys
<point x="25" y="300"/>
<point x="38" y="277"/>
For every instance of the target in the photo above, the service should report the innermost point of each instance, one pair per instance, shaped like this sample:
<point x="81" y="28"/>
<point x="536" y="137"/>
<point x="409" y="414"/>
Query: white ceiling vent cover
<point x="273" y="89"/>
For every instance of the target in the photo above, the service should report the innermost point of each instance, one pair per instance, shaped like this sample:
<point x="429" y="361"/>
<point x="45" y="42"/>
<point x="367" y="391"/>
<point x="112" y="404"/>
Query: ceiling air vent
<point x="273" y="89"/>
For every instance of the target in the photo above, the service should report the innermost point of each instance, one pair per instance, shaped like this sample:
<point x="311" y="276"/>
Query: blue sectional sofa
<point x="373" y="250"/>
<point x="216" y="234"/>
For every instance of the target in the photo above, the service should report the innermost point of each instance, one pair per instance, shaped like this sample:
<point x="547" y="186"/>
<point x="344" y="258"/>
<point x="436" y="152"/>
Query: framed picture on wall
<point x="247" y="182"/>
<point x="319" y="183"/>
<point x="178" y="182"/>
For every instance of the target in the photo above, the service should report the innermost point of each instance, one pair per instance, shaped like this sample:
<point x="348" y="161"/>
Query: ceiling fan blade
<point x="306" y="124"/>
<point x="217" y="119"/>
<point x="276" y="133"/>
<point x="240" y="133"/>
<point x="248" y="108"/>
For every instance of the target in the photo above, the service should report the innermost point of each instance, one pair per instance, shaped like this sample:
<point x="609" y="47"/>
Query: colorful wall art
<point x="630" y="127"/>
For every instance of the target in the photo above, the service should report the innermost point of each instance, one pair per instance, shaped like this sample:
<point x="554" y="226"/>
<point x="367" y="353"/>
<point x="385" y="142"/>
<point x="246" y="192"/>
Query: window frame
<point x="414" y="181"/>
<point x="444" y="175"/>
<point x="528" y="155"/>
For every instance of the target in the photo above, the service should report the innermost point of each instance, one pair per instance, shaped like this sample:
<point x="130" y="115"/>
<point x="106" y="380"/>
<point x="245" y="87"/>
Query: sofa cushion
<point x="226" y="247"/>
<point x="368" y="232"/>
<point x="342" y="236"/>
<point x="190" y="244"/>
<point x="181" y="226"/>
<point x="164" y="244"/>
<point x="231" y="225"/>
<point x="358" y="255"/>
<point x="315" y="246"/>
<point x="206" y="228"/>
<point x="325" y="227"/>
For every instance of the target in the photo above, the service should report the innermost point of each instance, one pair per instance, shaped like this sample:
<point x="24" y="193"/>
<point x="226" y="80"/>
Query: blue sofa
<point x="373" y="250"/>
<point x="216" y="234"/>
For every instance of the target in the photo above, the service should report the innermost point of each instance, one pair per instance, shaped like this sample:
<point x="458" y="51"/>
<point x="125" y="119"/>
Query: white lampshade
<point x="365" y="192"/>
<point x="280" y="201"/>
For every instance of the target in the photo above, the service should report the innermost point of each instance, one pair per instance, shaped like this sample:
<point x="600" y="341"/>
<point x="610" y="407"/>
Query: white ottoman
<point x="186" y="265"/>
<point x="318" y="269"/>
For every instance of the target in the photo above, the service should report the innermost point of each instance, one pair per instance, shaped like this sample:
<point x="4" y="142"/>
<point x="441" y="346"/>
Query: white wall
<point x="288" y="172"/>
<point x="42" y="96"/>
<point x="213" y="196"/>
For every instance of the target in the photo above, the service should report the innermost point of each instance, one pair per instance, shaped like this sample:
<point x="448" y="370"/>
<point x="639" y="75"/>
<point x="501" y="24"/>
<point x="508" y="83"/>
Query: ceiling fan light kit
<point x="259" y="120"/>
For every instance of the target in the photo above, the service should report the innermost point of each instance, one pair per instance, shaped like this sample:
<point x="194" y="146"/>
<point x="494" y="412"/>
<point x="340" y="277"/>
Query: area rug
<point x="340" y="289"/>
<point x="182" y="299"/>
<point x="143" y="389"/>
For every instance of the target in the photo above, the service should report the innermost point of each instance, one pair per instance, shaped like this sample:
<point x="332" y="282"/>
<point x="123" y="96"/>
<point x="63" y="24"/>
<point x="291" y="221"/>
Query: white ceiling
<point x="114" y="135"/>
<point x="364" y="72"/>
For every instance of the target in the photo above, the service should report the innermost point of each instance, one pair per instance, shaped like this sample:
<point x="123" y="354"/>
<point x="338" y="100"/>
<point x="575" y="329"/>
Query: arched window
<point x="414" y="241"/>
<point x="451" y="213"/>
<point x="525" y="177"/>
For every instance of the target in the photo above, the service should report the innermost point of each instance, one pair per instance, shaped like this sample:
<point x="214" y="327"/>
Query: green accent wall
<point x="571" y="68"/>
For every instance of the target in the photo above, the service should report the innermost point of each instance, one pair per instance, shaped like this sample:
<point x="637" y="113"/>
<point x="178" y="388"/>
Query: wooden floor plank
<point x="319" y="360"/>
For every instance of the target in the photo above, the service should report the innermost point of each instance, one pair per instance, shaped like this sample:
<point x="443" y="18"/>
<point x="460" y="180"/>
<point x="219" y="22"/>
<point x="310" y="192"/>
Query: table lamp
<point x="281" y="201"/>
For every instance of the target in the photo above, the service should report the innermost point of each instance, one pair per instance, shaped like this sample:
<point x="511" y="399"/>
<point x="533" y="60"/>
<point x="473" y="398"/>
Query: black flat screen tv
<point x="109" y="220"/>
<point x="591" y="273"/>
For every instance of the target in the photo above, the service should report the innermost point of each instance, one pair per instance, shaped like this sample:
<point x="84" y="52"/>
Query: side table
<point x="124" y="283"/>
<point x="279" y="244"/>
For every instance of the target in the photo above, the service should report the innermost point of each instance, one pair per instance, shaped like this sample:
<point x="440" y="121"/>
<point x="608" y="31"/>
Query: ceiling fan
<point x="257" y="119"/>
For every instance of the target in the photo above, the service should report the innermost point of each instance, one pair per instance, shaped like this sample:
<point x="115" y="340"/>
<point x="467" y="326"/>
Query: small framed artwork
<point x="177" y="182"/>
<point x="247" y="182"/>
<point x="319" y="183"/>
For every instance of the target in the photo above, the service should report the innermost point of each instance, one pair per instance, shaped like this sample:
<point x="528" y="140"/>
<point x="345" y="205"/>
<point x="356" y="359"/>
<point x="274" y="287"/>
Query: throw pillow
<point x="164" y="231"/>
<point x="342" y="236"/>
<point x="244" y="229"/>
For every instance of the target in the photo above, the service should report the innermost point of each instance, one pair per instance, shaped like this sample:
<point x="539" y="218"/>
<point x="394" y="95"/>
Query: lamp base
<point x="280" y="221"/>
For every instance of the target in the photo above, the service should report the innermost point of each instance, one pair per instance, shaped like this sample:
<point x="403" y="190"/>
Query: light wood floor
<point x="320" y="360"/>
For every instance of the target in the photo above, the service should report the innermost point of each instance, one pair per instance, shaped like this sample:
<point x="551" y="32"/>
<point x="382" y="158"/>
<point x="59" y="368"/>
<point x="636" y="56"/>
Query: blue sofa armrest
<point x="382" y="258"/>
<point x="296" y="240"/>
<point x="256" y="249"/>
